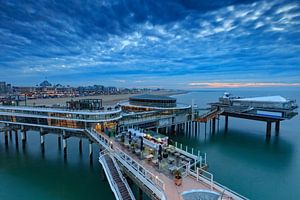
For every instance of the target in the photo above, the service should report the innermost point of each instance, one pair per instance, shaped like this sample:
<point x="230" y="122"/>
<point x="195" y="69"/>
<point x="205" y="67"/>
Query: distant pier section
<point x="270" y="109"/>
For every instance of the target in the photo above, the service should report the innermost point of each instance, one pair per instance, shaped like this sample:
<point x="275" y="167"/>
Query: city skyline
<point x="169" y="44"/>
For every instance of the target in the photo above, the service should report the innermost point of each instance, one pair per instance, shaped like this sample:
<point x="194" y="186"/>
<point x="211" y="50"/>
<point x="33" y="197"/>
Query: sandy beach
<point x="107" y="100"/>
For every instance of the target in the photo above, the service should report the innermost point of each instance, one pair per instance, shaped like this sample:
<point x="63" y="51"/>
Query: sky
<point x="181" y="44"/>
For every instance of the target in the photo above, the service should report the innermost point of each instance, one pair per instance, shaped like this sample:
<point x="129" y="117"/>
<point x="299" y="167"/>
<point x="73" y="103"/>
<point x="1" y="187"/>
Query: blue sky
<point x="172" y="44"/>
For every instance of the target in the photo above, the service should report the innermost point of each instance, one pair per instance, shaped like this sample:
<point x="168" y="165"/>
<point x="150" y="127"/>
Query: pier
<point x="133" y="138"/>
<point x="269" y="109"/>
<point x="160" y="185"/>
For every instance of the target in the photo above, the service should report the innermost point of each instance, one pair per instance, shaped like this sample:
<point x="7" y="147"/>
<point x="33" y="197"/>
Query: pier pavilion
<point x="97" y="126"/>
<point x="62" y="121"/>
<point x="269" y="109"/>
<point x="159" y="113"/>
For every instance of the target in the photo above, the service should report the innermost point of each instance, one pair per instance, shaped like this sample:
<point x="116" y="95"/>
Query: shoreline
<point x="107" y="100"/>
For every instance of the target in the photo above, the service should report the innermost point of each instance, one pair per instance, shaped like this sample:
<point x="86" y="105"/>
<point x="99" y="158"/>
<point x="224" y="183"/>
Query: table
<point x="183" y="162"/>
<point x="137" y="151"/>
<point x="171" y="160"/>
<point x="177" y="154"/>
<point x="149" y="156"/>
<point x="154" y="161"/>
<point x="182" y="157"/>
<point x="173" y="168"/>
<point x="172" y="151"/>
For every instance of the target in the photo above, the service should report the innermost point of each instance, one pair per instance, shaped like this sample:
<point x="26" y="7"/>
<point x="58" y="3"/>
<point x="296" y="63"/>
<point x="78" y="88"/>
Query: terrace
<point x="154" y="170"/>
<point x="154" y="149"/>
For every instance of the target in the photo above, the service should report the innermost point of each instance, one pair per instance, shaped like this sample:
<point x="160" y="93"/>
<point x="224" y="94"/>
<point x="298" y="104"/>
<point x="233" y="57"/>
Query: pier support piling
<point x="140" y="194"/>
<point x="42" y="140"/>
<point x="10" y="134"/>
<point x="80" y="146"/>
<point x="59" y="142"/>
<point x="277" y="127"/>
<point x="214" y="126"/>
<point x="23" y="138"/>
<point x="268" y="129"/>
<point x="226" y="123"/>
<point x="91" y="150"/>
<point x="16" y="138"/>
<point x="5" y="138"/>
<point x="65" y="147"/>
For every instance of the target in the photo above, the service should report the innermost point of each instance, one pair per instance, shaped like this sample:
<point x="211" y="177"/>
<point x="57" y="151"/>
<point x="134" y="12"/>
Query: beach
<point x="107" y="100"/>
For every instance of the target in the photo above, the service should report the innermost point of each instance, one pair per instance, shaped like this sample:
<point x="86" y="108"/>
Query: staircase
<point x="116" y="180"/>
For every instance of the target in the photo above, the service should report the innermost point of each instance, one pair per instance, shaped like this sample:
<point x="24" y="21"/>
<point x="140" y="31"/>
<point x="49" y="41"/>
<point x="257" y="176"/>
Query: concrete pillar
<point x="226" y="123"/>
<point x="140" y="194"/>
<point x="277" y="127"/>
<point x="23" y="133"/>
<point x="10" y="134"/>
<point x="59" y="142"/>
<point x="175" y="128"/>
<point x="23" y="138"/>
<point x="157" y="130"/>
<point x="214" y="125"/>
<point x="218" y="123"/>
<point x="5" y="138"/>
<point x="185" y="128"/>
<point x="16" y="137"/>
<point x="42" y="140"/>
<point x="205" y="127"/>
<point x="65" y="147"/>
<point x="268" y="129"/>
<point x="91" y="150"/>
<point x="80" y="146"/>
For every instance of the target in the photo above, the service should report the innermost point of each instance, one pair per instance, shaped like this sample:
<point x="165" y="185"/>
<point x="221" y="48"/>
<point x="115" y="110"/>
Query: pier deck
<point x="162" y="182"/>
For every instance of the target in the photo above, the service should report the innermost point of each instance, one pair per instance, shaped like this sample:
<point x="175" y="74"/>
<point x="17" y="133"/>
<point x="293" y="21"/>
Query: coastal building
<point x="75" y="119"/>
<point x="270" y="109"/>
<point x="160" y="113"/>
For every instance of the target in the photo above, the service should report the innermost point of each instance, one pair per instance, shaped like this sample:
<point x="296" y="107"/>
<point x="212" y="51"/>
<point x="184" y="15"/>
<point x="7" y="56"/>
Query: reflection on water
<point x="27" y="173"/>
<point x="241" y="159"/>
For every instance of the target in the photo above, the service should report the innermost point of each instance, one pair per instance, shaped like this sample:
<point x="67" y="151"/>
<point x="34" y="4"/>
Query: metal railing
<point x="152" y="181"/>
<point x="206" y="177"/>
<point x="123" y="179"/>
<point x="156" y="185"/>
<point x="110" y="179"/>
<point x="185" y="151"/>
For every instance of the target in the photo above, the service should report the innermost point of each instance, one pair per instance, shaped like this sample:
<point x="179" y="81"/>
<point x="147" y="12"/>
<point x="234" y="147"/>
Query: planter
<point x="178" y="181"/>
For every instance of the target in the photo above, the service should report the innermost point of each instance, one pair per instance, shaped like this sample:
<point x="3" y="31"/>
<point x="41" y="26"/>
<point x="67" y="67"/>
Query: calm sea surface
<point x="241" y="159"/>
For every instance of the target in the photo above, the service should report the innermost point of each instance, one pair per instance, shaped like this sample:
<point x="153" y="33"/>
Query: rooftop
<point x="152" y="97"/>
<point x="271" y="99"/>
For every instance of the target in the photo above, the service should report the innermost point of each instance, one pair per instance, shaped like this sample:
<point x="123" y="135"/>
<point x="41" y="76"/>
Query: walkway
<point x="161" y="182"/>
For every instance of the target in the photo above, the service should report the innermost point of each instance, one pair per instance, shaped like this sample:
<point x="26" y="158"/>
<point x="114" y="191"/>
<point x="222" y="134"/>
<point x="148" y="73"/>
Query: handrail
<point x="59" y="110"/>
<point x="215" y="185"/>
<point x="138" y="166"/>
<point x="110" y="178"/>
<point x="149" y="179"/>
<point x="123" y="179"/>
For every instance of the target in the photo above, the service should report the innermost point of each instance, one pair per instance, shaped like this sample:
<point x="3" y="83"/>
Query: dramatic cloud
<point x="149" y="43"/>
